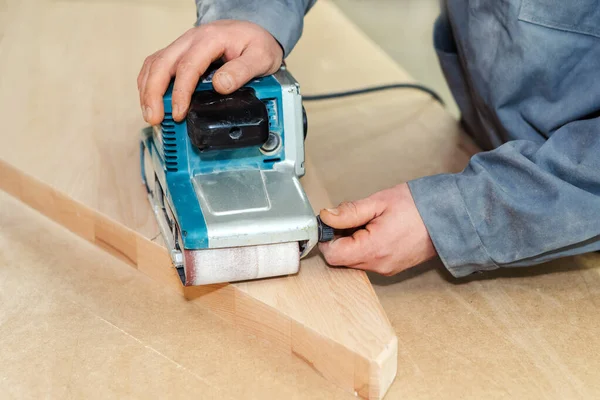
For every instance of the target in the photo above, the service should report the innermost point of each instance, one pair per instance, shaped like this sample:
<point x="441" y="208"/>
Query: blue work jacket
<point x="526" y="77"/>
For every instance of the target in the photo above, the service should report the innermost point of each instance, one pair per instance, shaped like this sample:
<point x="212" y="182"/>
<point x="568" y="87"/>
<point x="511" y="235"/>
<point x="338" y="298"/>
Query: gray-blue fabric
<point x="284" y="19"/>
<point x="526" y="76"/>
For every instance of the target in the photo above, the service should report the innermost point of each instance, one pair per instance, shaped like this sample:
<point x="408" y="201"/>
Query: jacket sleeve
<point x="284" y="19"/>
<point x="521" y="204"/>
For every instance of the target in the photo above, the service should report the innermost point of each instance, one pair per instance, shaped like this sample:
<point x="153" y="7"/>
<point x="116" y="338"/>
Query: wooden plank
<point x="524" y="333"/>
<point x="78" y="151"/>
<point x="93" y="328"/>
<point x="338" y="342"/>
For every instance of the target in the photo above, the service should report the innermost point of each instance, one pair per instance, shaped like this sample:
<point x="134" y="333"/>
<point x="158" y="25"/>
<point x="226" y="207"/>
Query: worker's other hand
<point x="247" y="49"/>
<point x="392" y="236"/>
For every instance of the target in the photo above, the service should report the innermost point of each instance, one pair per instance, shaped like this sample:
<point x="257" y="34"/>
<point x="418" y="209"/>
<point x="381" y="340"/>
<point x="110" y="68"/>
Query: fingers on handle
<point x="159" y="75"/>
<point x="353" y="214"/>
<point x="189" y="70"/>
<point x="349" y="251"/>
<point x="188" y="64"/>
<point x="143" y="76"/>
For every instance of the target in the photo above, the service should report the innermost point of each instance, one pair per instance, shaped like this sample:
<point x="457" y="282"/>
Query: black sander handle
<point x="326" y="233"/>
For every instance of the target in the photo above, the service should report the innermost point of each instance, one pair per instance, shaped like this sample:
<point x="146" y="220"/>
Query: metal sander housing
<point x="228" y="177"/>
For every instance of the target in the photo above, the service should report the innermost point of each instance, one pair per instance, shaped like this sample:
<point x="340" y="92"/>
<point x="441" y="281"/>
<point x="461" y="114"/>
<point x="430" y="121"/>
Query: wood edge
<point x="379" y="306"/>
<point x="10" y="182"/>
<point x="344" y="367"/>
<point x="219" y="298"/>
<point x="260" y="319"/>
<point x="90" y="225"/>
<point x="384" y="369"/>
<point x="153" y="261"/>
<point x="326" y="356"/>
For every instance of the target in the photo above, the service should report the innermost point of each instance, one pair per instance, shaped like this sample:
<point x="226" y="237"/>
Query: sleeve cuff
<point x="447" y="220"/>
<point x="284" y="24"/>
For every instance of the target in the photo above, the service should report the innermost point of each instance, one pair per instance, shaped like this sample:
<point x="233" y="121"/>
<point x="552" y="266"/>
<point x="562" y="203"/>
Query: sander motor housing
<point x="228" y="175"/>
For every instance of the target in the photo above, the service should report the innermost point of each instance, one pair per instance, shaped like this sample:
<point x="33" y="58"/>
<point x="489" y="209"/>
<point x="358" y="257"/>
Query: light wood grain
<point x="339" y="328"/>
<point x="343" y="334"/>
<point x="518" y="333"/>
<point x="530" y="333"/>
<point x="91" y="328"/>
<point x="77" y="151"/>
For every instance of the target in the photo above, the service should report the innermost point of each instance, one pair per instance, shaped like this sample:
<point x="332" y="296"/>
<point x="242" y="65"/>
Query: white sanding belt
<point x="241" y="263"/>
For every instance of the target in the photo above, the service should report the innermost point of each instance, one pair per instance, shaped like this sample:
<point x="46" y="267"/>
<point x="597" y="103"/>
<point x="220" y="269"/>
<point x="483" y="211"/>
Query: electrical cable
<point x="370" y="89"/>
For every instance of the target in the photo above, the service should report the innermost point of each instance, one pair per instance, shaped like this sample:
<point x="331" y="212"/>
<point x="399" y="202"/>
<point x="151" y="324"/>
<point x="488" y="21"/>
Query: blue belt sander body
<point x="224" y="183"/>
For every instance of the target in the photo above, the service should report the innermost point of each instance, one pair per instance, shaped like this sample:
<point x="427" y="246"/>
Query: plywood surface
<point x="513" y="335"/>
<point x="75" y="159"/>
<point x="75" y="324"/>
<point x="528" y="333"/>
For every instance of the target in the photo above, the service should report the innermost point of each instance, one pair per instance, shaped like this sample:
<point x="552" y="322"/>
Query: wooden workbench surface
<point x="75" y="324"/>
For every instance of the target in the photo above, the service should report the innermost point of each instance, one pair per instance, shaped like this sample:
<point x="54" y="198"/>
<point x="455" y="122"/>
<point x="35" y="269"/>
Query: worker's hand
<point x="393" y="236"/>
<point x="248" y="50"/>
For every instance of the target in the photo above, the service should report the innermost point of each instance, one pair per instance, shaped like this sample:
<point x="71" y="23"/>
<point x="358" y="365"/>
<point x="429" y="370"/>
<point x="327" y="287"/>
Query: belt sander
<point x="224" y="183"/>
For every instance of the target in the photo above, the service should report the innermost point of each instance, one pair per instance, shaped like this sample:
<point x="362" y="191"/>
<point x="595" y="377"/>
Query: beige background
<point x="404" y="29"/>
<point x="76" y="323"/>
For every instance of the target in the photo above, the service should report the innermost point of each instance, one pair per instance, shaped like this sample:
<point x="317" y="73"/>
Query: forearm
<point x="284" y="19"/>
<point x="519" y="205"/>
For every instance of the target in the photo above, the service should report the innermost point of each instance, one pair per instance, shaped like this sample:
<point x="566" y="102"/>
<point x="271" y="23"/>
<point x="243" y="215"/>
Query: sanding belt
<point x="205" y="267"/>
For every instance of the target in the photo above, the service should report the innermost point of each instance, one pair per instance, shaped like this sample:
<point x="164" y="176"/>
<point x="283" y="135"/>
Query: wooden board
<point x="72" y="139"/>
<point x="75" y="324"/>
<point x="351" y="345"/>
<point x="90" y="328"/>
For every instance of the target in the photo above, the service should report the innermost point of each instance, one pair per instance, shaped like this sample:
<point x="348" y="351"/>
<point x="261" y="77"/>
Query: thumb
<point x="353" y="214"/>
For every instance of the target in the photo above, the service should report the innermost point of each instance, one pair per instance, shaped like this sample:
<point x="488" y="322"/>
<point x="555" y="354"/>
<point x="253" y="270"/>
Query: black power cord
<point x="337" y="95"/>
